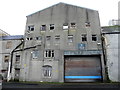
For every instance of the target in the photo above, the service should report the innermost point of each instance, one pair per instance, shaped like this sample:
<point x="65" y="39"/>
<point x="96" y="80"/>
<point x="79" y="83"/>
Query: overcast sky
<point x="13" y="12"/>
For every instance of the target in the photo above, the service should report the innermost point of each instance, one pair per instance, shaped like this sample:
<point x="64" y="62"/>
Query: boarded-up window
<point x="47" y="71"/>
<point x="8" y="45"/>
<point x="6" y="58"/>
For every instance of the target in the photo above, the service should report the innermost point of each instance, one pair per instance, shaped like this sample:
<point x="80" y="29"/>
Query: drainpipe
<point x="10" y="62"/>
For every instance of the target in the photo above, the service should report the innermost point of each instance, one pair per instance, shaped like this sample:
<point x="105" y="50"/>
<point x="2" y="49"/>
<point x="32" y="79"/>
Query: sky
<point x="13" y="12"/>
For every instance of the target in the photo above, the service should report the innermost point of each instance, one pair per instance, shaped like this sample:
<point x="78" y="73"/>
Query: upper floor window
<point x="49" y="53"/>
<point x="17" y="58"/>
<point x="70" y="38"/>
<point x="87" y="24"/>
<point x="65" y="26"/>
<point x="43" y="27"/>
<point x="31" y="28"/>
<point x="57" y="38"/>
<point x="94" y="37"/>
<point x="52" y="26"/>
<point x="9" y="44"/>
<point x="73" y="25"/>
<point x="38" y="38"/>
<point x="35" y="54"/>
<point x="6" y="58"/>
<point x="29" y="38"/>
<point x="47" y="71"/>
<point x="48" y="38"/>
<point x="84" y="37"/>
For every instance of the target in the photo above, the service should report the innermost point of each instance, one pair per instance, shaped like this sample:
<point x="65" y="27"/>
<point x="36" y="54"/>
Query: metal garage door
<point x="82" y="69"/>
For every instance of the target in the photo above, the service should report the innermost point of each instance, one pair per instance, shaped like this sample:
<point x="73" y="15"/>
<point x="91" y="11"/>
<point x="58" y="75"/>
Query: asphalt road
<point x="81" y="86"/>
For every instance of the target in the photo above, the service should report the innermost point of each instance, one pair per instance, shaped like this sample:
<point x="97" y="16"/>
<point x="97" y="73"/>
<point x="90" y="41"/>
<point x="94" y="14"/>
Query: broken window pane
<point x="52" y="26"/>
<point x="43" y="27"/>
<point x="94" y="37"/>
<point x="29" y="38"/>
<point x="70" y="38"/>
<point x="38" y="38"/>
<point x="73" y="25"/>
<point x="65" y="26"/>
<point x="87" y="24"/>
<point x="84" y="37"/>
<point x="31" y="28"/>
<point x="6" y="58"/>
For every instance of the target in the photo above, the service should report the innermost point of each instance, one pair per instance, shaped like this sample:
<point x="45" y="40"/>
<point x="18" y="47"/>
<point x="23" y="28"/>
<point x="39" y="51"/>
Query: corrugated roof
<point x="15" y="37"/>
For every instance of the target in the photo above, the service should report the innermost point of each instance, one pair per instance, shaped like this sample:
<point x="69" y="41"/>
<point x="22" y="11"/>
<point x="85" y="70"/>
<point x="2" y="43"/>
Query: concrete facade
<point x="111" y="44"/>
<point x="54" y="32"/>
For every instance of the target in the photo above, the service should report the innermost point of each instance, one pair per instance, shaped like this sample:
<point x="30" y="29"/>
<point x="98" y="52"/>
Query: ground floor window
<point x="47" y="71"/>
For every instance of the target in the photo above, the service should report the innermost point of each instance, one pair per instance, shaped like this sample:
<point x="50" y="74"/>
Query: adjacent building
<point x="8" y="45"/>
<point x="62" y="43"/>
<point x="111" y="35"/>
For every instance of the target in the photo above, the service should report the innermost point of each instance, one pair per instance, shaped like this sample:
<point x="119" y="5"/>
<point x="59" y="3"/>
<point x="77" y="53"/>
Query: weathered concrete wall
<point x="31" y="69"/>
<point x="112" y="55"/>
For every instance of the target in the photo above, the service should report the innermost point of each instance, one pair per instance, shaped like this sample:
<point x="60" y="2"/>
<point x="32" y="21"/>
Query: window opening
<point x="52" y="26"/>
<point x="84" y="37"/>
<point x="43" y="27"/>
<point x="94" y="37"/>
<point x="70" y="38"/>
<point x="65" y="26"/>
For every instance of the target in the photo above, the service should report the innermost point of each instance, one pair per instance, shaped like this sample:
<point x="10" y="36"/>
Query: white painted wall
<point x="112" y="56"/>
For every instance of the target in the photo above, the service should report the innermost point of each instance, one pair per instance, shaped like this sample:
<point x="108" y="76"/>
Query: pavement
<point x="39" y="86"/>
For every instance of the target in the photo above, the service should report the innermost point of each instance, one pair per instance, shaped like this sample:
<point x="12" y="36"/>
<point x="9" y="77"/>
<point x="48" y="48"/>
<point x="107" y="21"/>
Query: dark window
<point x="49" y="53"/>
<point x="52" y="26"/>
<point x="29" y="38"/>
<point x="87" y="24"/>
<point x="65" y="26"/>
<point x="73" y="25"/>
<point x="84" y="37"/>
<point x="38" y="38"/>
<point x="94" y="37"/>
<point x="47" y="71"/>
<point x="31" y="28"/>
<point x="6" y="58"/>
<point x="43" y="27"/>
<point x="17" y="58"/>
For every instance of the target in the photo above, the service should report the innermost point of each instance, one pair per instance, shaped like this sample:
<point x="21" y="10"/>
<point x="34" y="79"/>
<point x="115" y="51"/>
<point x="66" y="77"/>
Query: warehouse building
<point x="62" y="43"/>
